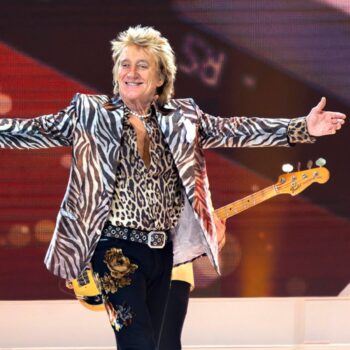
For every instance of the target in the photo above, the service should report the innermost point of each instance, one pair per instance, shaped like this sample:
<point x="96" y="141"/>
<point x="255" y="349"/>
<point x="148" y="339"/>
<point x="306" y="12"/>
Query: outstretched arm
<point x="52" y="130"/>
<point x="267" y="132"/>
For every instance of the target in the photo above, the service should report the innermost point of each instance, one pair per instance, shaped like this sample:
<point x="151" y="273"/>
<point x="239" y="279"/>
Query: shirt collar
<point x="117" y="101"/>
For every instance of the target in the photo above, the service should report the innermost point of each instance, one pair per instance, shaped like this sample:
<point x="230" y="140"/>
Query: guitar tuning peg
<point x="321" y="162"/>
<point x="298" y="166"/>
<point x="309" y="164"/>
<point x="287" y="168"/>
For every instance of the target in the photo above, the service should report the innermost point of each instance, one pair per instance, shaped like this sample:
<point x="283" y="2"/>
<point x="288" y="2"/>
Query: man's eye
<point x="143" y="66"/>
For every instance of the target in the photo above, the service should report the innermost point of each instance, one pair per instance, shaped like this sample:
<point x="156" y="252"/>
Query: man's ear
<point x="161" y="80"/>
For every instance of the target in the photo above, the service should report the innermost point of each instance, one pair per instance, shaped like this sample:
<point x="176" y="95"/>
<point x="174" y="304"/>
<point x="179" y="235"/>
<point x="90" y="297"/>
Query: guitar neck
<point x="247" y="202"/>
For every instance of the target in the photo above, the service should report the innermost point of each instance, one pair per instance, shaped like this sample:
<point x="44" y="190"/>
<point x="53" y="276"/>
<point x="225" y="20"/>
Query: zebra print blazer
<point x="94" y="134"/>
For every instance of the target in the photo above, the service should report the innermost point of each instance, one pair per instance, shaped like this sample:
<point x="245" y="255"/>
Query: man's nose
<point x="132" y="71"/>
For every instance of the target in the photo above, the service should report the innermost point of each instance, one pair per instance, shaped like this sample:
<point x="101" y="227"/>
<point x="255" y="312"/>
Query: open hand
<point x="320" y="122"/>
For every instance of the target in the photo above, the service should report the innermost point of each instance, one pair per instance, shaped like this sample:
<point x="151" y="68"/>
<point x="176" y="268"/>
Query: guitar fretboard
<point x="247" y="202"/>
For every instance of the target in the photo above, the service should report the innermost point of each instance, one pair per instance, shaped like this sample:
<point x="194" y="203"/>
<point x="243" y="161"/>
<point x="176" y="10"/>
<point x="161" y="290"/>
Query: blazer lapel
<point x="172" y="123"/>
<point x="111" y="124"/>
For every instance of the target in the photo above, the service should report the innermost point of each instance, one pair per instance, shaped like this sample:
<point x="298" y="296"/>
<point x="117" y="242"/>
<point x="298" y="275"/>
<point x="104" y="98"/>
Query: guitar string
<point x="241" y="206"/>
<point x="242" y="203"/>
<point x="222" y="212"/>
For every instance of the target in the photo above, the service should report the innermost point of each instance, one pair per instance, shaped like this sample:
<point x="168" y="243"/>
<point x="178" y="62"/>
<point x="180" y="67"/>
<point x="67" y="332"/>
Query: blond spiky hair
<point x="151" y="40"/>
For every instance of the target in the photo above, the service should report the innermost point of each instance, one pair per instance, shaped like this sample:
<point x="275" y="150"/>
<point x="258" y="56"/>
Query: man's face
<point x="138" y="77"/>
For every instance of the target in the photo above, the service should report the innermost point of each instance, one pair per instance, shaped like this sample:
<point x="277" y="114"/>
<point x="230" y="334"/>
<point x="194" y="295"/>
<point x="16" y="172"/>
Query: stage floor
<point x="213" y="323"/>
<point x="294" y="347"/>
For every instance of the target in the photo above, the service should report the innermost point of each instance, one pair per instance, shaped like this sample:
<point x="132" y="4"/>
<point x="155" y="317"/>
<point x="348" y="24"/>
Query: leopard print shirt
<point x="146" y="198"/>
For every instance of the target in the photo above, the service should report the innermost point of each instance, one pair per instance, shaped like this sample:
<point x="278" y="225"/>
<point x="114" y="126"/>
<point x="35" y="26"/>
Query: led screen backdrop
<point x="266" y="58"/>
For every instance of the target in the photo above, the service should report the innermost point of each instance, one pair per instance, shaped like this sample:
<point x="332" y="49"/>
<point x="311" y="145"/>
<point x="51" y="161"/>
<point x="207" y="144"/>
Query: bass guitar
<point x="85" y="287"/>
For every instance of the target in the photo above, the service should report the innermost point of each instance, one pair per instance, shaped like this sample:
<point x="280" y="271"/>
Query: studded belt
<point x="154" y="239"/>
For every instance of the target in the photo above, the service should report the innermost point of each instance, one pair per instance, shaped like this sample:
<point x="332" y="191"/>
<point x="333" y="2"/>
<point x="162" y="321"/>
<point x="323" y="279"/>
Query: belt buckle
<point x="156" y="239"/>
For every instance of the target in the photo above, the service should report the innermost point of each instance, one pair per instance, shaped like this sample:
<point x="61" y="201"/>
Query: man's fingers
<point x="334" y="115"/>
<point x="321" y="104"/>
<point x="340" y="115"/>
<point x="222" y="242"/>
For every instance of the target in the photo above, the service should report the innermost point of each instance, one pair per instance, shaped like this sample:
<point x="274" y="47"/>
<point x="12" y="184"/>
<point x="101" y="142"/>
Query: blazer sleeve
<point x="241" y="131"/>
<point x="52" y="130"/>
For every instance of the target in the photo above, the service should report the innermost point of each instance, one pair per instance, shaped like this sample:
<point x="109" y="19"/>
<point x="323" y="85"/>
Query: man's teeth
<point x="133" y="84"/>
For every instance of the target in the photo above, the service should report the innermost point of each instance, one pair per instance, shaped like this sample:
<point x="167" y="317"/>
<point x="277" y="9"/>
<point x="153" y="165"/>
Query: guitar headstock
<point x="296" y="182"/>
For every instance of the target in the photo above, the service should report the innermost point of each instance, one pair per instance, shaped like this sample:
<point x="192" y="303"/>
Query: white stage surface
<point x="224" y="323"/>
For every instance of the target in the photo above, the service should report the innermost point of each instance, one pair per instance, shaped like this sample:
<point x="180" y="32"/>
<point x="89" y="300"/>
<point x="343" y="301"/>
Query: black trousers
<point x="175" y="315"/>
<point x="134" y="280"/>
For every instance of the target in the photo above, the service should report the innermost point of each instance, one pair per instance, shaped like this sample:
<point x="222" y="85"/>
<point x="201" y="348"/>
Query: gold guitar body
<point x="86" y="291"/>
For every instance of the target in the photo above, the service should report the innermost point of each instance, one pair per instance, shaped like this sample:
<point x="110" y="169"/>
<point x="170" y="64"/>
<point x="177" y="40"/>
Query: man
<point x="137" y="200"/>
